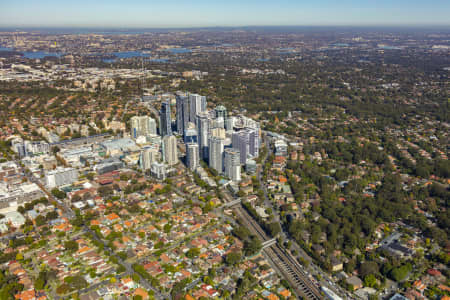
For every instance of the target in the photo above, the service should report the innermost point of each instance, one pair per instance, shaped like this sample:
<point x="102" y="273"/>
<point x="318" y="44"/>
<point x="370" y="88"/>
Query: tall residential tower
<point x="166" y="120"/>
<point x="182" y="112"/>
<point x="192" y="157"/>
<point x="216" y="153"/>
<point x="203" y="134"/>
<point x="232" y="164"/>
<point x="197" y="105"/>
<point x="170" y="150"/>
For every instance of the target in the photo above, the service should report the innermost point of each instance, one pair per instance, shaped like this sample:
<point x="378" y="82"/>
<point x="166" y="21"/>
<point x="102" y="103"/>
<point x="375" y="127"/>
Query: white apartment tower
<point x="216" y="153"/>
<point x="170" y="150"/>
<point x="142" y="126"/>
<point x="203" y="134"/>
<point x="148" y="156"/>
<point x="232" y="164"/>
<point x="192" y="156"/>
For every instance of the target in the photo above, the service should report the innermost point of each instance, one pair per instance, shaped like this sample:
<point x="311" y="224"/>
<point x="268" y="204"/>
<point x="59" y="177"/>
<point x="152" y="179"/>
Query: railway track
<point x="289" y="268"/>
<point x="291" y="271"/>
<point x="250" y="223"/>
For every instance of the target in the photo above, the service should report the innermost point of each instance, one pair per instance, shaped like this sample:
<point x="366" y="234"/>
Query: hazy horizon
<point x="233" y="13"/>
<point x="255" y="28"/>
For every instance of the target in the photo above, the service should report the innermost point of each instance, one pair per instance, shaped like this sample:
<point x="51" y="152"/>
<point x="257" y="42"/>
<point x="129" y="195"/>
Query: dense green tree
<point x="233" y="258"/>
<point x="71" y="246"/>
<point x="58" y="193"/>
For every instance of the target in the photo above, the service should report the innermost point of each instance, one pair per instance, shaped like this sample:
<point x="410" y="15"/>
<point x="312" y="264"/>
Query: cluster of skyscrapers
<point x="225" y="142"/>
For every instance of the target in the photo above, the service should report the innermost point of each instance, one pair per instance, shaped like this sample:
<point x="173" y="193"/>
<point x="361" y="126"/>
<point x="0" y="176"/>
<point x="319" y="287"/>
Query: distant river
<point x="33" y="54"/>
<point x="128" y="54"/>
<point x="118" y="55"/>
<point x="178" y="50"/>
<point x="389" y="48"/>
<point x="40" y="54"/>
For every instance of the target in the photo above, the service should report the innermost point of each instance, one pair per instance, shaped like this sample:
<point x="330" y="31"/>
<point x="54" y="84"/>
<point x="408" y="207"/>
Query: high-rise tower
<point x="170" y="150"/>
<point x="197" y="105"/>
<point x="182" y="112"/>
<point x="148" y="156"/>
<point x="216" y="153"/>
<point x="203" y="134"/>
<point x="166" y="120"/>
<point x="232" y="164"/>
<point x="192" y="156"/>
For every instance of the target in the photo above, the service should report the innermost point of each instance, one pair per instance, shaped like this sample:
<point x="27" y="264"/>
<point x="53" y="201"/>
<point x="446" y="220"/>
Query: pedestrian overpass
<point x="269" y="243"/>
<point x="232" y="203"/>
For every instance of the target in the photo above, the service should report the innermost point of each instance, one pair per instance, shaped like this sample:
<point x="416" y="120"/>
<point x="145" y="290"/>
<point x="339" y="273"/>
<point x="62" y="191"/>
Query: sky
<point x="211" y="13"/>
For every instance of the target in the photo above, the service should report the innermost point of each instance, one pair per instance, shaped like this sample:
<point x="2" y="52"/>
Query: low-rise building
<point x="60" y="176"/>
